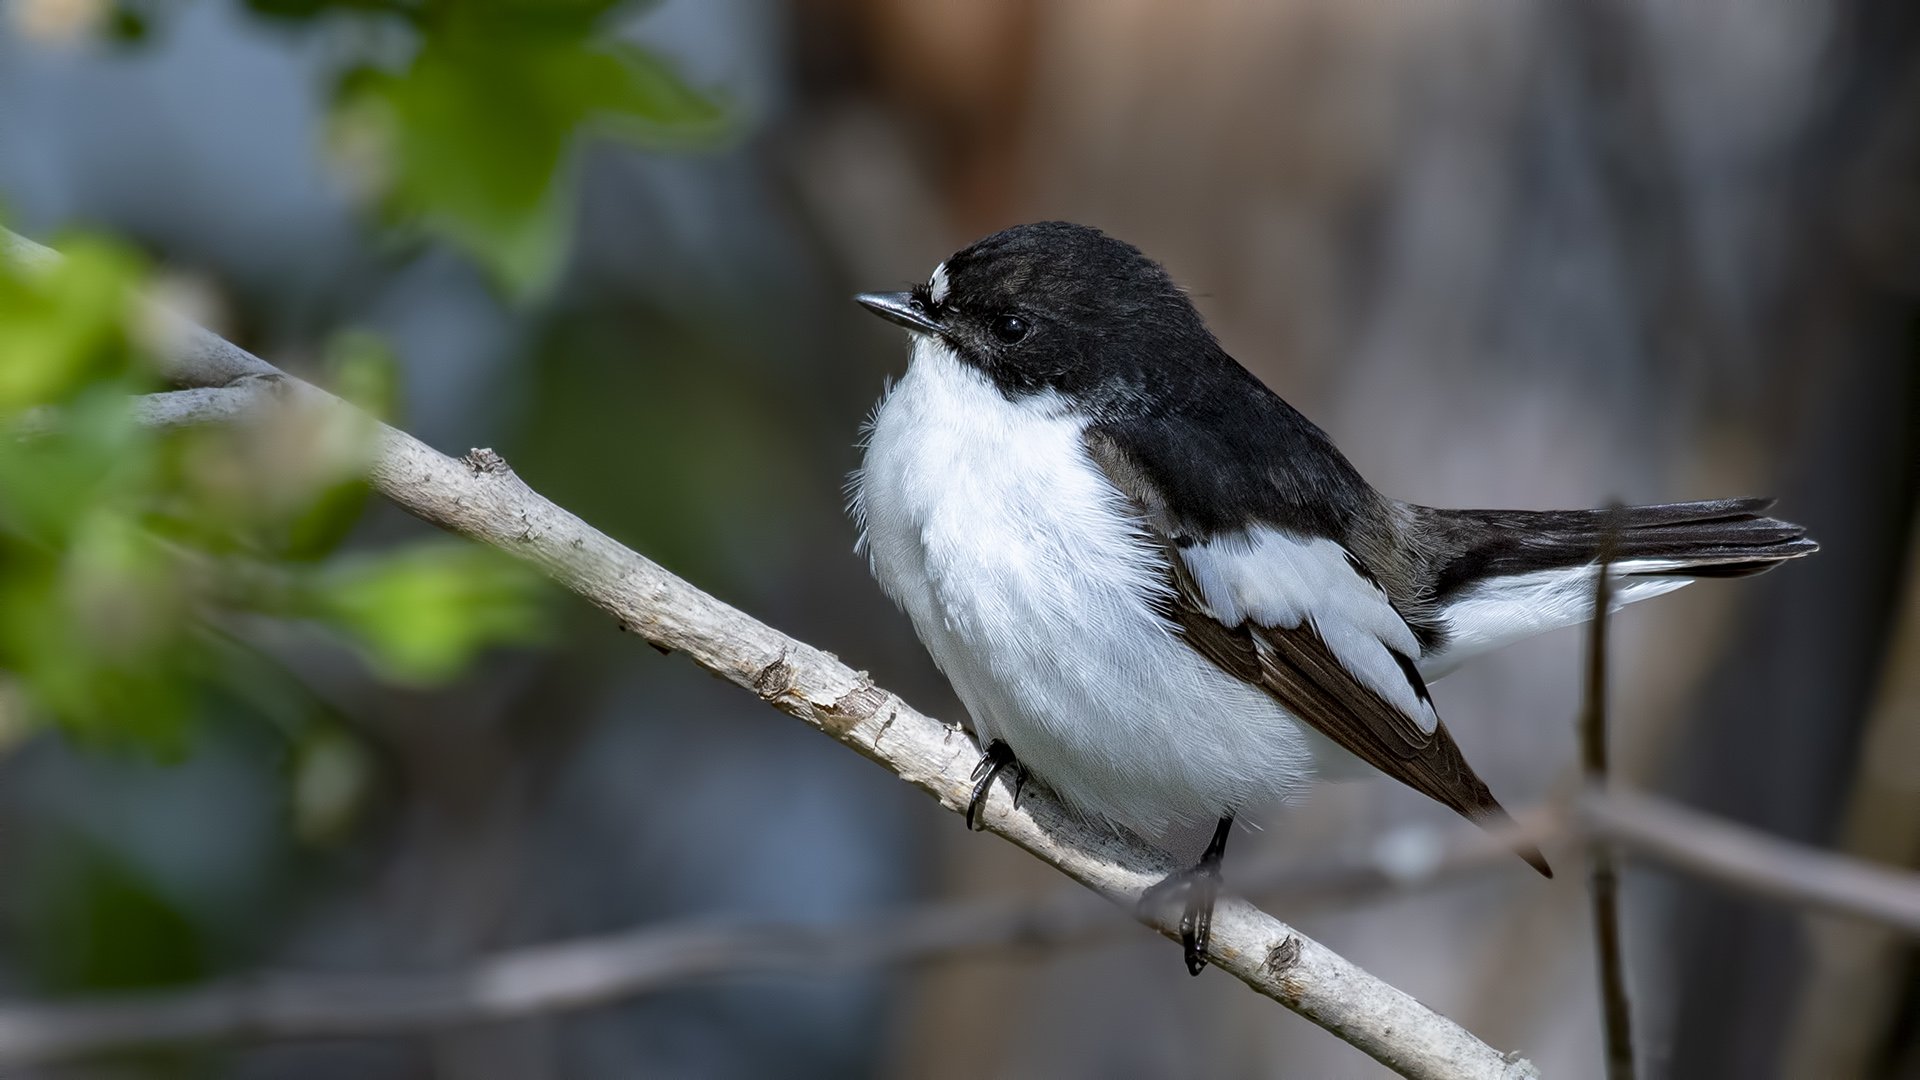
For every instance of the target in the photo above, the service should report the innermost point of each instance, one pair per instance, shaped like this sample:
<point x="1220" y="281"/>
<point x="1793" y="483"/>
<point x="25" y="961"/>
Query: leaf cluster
<point x="128" y="555"/>
<point x="472" y="136"/>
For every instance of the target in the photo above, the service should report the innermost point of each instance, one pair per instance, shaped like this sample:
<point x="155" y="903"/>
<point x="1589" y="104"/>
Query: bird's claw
<point x="1200" y="885"/>
<point x="1197" y="888"/>
<point x="998" y="756"/>
<point x="1196" y="919"/>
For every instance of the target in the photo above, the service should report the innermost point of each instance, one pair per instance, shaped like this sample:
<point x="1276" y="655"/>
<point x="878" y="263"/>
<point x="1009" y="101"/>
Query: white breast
<point x="987" y="522"/>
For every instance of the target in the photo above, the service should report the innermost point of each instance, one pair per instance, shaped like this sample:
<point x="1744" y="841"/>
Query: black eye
<point x="1009" y="328"/>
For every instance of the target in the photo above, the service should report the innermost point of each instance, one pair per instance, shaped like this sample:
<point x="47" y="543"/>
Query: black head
<point x="1058" y="306"/>
<point x="1065" y="308"/>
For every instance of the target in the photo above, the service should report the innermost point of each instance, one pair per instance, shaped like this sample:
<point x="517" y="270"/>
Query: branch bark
<point x="479" y="497"/>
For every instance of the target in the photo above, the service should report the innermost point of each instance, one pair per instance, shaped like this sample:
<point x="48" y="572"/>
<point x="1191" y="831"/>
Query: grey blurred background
<point x="1508" y="255"/>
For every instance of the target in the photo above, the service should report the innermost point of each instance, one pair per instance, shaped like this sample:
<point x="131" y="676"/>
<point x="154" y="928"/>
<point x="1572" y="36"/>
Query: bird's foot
<point x="998" y="756"/>
<point x="1201" y="885"/>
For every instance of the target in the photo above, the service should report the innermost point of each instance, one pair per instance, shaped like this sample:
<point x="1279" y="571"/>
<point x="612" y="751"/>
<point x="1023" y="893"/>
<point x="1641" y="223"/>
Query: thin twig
<point x="177" y="408"/>
<point x="479" y="497"/>
<point x="591" y="971"/>
<point x="524" y="982"/>
<point x="1753" y="861"/>
<point x="1602" y="877"/>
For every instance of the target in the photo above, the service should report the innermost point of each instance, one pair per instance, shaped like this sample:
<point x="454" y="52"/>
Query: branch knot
<point x="482" y="459"/>
<point x="774" y="680"/>
<point x="1282" y="957"/>
<point x="863" y="701"/>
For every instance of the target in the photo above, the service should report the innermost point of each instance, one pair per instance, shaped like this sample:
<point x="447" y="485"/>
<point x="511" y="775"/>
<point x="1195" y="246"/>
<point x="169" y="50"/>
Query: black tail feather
<point x="1721" y="538"/>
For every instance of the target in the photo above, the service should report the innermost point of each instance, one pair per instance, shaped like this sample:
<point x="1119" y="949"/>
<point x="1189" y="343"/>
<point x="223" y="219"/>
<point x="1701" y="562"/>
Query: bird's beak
<point x="901" y="308"/>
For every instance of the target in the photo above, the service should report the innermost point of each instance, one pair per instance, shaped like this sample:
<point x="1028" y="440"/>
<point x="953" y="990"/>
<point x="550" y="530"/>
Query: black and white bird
<point x="1164" y="593"/>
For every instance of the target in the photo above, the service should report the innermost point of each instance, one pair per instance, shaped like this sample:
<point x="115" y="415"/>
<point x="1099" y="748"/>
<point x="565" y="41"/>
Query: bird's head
<point x="1057" y="306"/>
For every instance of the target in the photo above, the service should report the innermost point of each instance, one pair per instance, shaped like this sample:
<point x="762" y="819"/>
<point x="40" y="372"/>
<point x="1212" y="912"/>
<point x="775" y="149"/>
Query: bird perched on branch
<point x="1165" y="594"/>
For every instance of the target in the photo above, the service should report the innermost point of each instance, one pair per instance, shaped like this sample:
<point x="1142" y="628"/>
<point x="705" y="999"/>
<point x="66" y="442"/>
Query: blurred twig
<point x="479" y="497"/>
<point x="523" y="982"/>
<point x="1602" y="877"/>
<point x="591" y="971"/>
<point x="1753" y="861"/>
<point x="597" y="970"/>
<point x="179" y="408"/>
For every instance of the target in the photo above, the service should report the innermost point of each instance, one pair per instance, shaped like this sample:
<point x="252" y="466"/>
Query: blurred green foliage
<point x="135" y="564"/>
<point x="421" y="613"/>
<point x="65" y="328"/>
<point x="470" y="137"/>
<point x="360" y="367"/>
<point x="126" y="552"/>
<point x="330" y="775"/>
<point x="95" y="923"/>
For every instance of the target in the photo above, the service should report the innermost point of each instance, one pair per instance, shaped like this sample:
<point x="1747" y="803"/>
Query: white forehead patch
<point x="937" y="284"/>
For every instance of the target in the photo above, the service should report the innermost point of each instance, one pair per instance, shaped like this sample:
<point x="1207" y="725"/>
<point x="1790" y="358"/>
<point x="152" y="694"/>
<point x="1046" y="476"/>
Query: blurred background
<point x="1507" y="255"/>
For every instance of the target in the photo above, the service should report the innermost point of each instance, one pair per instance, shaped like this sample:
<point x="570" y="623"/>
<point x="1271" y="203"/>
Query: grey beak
<point x="900" y="308"/>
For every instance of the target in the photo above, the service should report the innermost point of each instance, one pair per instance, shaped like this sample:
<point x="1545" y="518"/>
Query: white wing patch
<point x="1282" y="581"/>
<point x="1498" y="612"/>
<point x="937" y="285"/>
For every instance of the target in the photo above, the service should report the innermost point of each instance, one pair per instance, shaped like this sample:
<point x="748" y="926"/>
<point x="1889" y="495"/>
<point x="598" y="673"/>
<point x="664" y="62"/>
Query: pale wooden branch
<point x="481" y="498"/>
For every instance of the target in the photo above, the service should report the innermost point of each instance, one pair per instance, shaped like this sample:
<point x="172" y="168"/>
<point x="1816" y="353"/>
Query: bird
<point x="1162" y="592"/>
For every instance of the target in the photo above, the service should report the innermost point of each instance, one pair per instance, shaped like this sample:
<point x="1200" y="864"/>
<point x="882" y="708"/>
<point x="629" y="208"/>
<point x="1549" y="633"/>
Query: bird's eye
<point x="1009" y="328"/>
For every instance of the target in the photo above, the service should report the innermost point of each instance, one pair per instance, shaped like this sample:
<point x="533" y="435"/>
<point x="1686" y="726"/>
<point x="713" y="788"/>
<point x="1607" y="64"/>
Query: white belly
<point x="1015" y="558"/>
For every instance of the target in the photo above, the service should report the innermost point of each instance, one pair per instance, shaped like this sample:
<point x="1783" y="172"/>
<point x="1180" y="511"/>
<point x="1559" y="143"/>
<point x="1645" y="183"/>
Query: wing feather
<point x="1296" y="666"/>
<point x="1324" y="643"/>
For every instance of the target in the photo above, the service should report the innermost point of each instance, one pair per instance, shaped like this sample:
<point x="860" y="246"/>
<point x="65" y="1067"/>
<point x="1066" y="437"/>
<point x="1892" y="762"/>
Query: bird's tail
<point x="1496" y="576"/>
<point x="1722" y="538"/>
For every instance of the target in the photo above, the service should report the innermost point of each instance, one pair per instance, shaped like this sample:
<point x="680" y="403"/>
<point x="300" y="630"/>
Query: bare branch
<point x="206" y="404"/>
<point x="1751" y="860"/>
<point x="596" y="970"/>
<point x="523" y="982"/>
<point x="591" y="971"/>
<point x="480" y="497"/>
<point x="177" y="408"/>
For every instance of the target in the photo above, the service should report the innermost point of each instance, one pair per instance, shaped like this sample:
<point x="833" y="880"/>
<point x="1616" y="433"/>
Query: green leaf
<point x="361" y="367"/>
<point x="49" y="483"/>
<point x="316" y="531"/>
<point x="421" y="614"/>
<point x="94" y="923"/>
<point x="477" y="131"/>
<point x="96" y="634"/>
<point x="65" y="325"/>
